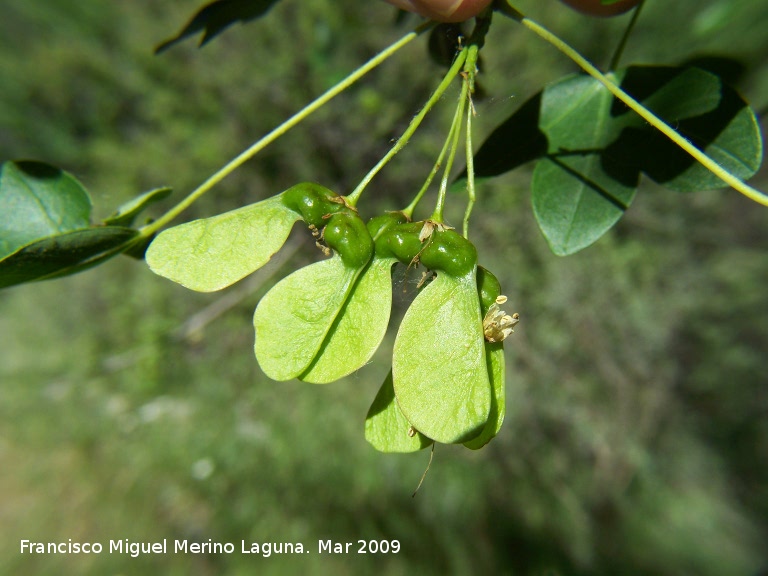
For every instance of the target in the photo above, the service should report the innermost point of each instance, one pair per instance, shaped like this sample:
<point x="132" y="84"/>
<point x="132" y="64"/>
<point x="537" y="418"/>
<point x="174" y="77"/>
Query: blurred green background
<point x="636" y="439"/>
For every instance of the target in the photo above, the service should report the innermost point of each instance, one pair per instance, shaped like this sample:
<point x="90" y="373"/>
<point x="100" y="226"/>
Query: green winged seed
<point x="359" y="327"/>
<point x="295" y="316"/>
<point x="386" y="429"/>
<point x="488" y="288"/>
<point x="494" y="360"/>
<point x="212" y="253"/>
<point x="439" y="366"/>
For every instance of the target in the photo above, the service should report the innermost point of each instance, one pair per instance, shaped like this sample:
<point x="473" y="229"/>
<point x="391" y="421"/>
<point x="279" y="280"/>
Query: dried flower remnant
<point x="497" y="324"/>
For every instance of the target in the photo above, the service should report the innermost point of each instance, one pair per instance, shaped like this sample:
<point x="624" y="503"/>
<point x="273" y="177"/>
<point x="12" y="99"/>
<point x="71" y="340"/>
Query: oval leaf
<point x="575" y="202"/>
<point x="295" y="316"/>
<point x="438" y="365"/>
<point x="212" y="253"/>
<point x="63" y="254"/>
<point x="359" y="327"/>
<point x="38" y="200"/>
<point x="578" y="194"/>
<point x="386" y="429"/>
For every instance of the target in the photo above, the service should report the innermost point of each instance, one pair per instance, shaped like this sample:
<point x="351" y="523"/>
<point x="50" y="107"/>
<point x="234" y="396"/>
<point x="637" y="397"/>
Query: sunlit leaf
<point x="359" y="328"/>
<point x="295" y="316"/>
<point x="438" y="365"/>
<point x="214" y="18"/>
<point x="386" y="429"/>
<point x="63" y="254"/>
<point x="212" y="253"/>
<point x="38" y="200"/>
<point x="494" y="359"/>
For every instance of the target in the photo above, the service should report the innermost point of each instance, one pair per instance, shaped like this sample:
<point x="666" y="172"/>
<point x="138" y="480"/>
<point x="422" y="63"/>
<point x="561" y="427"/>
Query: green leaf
<point x="212" y="253"/>
<point x="359" y="327"/>
<point x="594" y="148"/>
<point x="386" y="429"/>
<point x="214" y="18"/>
<point x="494" y="360"/>
<point x="575" y="202"/>
<point x="45" y="225"/>
<point x="295" y="316"/>
<point x="126" y="214"/>
<point x="438" y="366"/>
<point x="63" y="254"/>
<point x="38" y="200"/>
<point x="576" y="197"/>
<point x="707" y="112"/>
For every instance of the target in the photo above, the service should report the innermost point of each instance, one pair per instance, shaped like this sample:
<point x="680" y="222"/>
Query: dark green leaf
<point x="708" y="113"/>
<point x="578" y="193"/>
<point x="38" y="200"/>
<point x="595" y="148"/>
<point x="63" y="254"/>
<point x="215" y="17"/>
<point x="126" y="214"/>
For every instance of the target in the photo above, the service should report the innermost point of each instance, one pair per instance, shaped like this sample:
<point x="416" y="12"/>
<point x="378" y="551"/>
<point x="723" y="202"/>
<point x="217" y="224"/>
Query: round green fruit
<point x="347" y="234"/>
<point x="450" y="252"/>
<point x="313" y="202"/>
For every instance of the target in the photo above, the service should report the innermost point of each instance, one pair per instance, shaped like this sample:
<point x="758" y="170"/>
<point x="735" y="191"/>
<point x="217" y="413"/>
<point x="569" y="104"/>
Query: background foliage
<point x="636" y="439"/>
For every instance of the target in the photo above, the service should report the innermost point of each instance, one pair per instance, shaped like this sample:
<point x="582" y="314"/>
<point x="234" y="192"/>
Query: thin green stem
<point x="625" y="37"/>
<point x="470" y="171"/>
<point x="301" y="115"/>
<point x="642" y="111"/>
<point x="408" y="211"/>
<point x="412" y="127"/>
<point x="470" y="71"/>
<point x="453" y="136"/>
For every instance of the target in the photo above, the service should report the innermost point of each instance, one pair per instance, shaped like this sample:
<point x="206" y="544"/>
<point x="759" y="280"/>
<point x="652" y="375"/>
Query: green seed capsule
<point x="346" y="233"/>
<point x="379" y="224"/>
<point x="449" y="251"/>
<point x="400" y="241"/>
<point x="488" y="288"/>
<point x="312" y="202"/>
